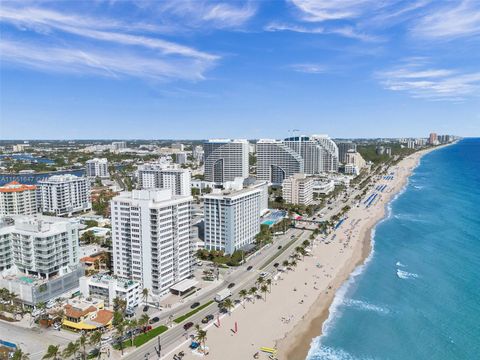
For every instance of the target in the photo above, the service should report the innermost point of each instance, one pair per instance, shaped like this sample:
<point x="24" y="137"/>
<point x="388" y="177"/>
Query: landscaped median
<point x="191" y="313"/>
<point x="278" y="253"/>
<point x="141" y="339"/>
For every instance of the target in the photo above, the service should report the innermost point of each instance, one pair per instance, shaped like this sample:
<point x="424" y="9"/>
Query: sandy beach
<point x="297" y="306"/>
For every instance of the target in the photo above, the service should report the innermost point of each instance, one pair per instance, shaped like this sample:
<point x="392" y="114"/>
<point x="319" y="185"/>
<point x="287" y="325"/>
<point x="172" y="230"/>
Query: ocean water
<point x="418" y="295"/>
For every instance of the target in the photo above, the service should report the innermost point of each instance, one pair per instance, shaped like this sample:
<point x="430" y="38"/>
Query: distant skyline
<point x="238" y="69"/>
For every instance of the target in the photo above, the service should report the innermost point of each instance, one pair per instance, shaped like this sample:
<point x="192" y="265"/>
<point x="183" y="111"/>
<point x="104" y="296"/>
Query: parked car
<point x="154" y="320"/>
<point x="145" y="308"/>
<point x="279" y="247"/>
<point x="264" y="274"/>
<point x="276" y="265"/>
<point x="147" y="328"/>
<point x="207" y="319"/>
<point x="231" y="285"/>
<point x="57" y="326"/>
<point x="194" y="305"/>
<point x="93" y="353"/>
<point x="105" y="339"/>
<point x="187" y="325"/>
<point x="249" y="268"/>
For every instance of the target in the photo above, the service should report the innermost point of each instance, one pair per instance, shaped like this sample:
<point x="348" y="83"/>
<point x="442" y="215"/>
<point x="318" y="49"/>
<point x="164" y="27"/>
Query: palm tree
<point x="52" y="352"/>
<point x="83" y="343"/>
<point x="132" y="325"/>
<point x="145" y="295"/>
<point x="253" y="291"/>
<point x="264" y="290"/>
<point x="120" y="328"/>
<point x="285" y="264"/>
<point x="119" y="304"/>
<point x="228" y="304"/>
<point x="71" y="349"/>
<point x="269" y="283"/>
<point x="201" y="336"/>
<point x="293" y="263"/>
<point x="95" y="339"/>
<point x="20" y="355"/>
<point x="260" y="280"/>
<point x="306" y="243"/>
<point x="144" y="319"/>
<point x="243" y="294"/>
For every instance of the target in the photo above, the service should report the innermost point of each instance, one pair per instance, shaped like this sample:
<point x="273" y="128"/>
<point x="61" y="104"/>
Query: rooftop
<point x="15" y="186"/>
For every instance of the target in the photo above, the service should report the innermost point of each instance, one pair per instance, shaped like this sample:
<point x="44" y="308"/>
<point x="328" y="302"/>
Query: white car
<point x="57" y="326"/>
<point x="105" y="339"/>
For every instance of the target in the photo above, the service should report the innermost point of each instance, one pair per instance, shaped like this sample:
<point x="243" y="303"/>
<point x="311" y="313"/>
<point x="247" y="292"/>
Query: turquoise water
<point x="418" y="296"/>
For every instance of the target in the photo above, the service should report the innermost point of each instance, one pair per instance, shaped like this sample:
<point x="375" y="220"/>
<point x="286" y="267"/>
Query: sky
<point x="238" y="69"/>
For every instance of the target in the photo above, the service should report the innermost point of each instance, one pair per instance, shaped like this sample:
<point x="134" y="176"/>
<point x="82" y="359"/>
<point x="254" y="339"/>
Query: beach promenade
<point x="292" y="313"/>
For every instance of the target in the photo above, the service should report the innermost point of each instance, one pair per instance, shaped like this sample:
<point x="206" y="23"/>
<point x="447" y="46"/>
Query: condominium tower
<point x="151" y="238"/>
<point x="298" y="189"/>
<point x="343" y="148"/>
<point x="225" y="160"/>
<point x="64" y="194"/>
<point x="97" y="168"/>
<point x="18" y="199"/>
<point x="39" y="245"/>
<point x="151" y="176"/>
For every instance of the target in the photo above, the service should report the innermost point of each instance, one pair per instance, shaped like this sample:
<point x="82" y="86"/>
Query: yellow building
<point x="87" y="315"/>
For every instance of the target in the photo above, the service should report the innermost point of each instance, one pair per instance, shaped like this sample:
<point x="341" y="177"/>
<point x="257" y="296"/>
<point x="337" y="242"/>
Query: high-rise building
<point x="178" y="146"/>
<point x="198" y="153"/>
<point x="432" y="139"/>
<point x="119" y="145"/>
<point x="319" y="153"/>
<point x="151" y="176"/>
<point x="298" y="189"/>
<point x="97" y="168"/>
<point x="411" y="144"/>
<point x="276" y="161"/>
<point x="18" y="199"/>
<point x="354" y="162"/>
<point x="151" y="238"/>
<point x="232" y="218"/>
<point x="39" y="245"/>
<point x="64" y="194"/>
<point x="343" y="148"/>
<point x="225" y="160"/>
<point x="181" y="157"/>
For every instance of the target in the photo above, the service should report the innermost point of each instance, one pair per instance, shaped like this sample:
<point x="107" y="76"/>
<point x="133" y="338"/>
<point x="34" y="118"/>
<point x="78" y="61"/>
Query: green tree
<point x="201" y="336"/>
<point x="71" y="349"/>
<point x="243" y="294"/>
<point x="253" y="292"/>
<point x="145" y="295"/>
<point x="52" y="352"/>
<point x="83" y="340"/>
<point x="20" y="355"/>
<point x="95" y="339"/>
<point x="228" y="304"/>
<point x="264" y="290"/>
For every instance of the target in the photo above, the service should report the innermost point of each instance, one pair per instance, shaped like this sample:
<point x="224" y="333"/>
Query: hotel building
<point x="232" y="217"/>
<point x="225" y="160"/>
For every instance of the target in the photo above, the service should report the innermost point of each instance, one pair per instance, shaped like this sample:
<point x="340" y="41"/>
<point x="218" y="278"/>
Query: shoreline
<point x="297" y="343"/>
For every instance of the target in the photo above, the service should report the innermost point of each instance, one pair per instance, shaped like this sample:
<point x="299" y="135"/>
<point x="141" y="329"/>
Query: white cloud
<point x="200" y="13"/>
<point x="104" y="63"/>
<point x="431" y="83"/>
<point x="345" y="31"/>
<point x="445" y="22"/>
<point x="309" y="68"/>
<point x="323" y="10"/>
<point x="152" y="56"/>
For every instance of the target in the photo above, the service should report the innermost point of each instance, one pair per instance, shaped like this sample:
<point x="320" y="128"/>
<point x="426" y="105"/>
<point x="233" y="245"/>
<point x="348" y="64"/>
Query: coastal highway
<point x="243" y="279"/>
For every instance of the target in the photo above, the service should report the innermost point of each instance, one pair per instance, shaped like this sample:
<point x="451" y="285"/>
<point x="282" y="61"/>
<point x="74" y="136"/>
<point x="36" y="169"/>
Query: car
<point x="105" y="339"/>
<point x="93" y="353"/>
<point x="276" y="265"/>
<point x="154" y="320"/>
<point x="145" y="308"/>
<point x="250" y="267"/>
<point x="264" y="274"/>
<point x="57" y="326"/>
<point x="199" y="263"/>
<point x="231" y="285"/>
<point x="194" y="305"/>
<point x="223" y="310"/>
<point x="207" y="319"/>
<point x="147" y="328"/>
<point x="279" y="247"/>
<point x="188" y="325"/>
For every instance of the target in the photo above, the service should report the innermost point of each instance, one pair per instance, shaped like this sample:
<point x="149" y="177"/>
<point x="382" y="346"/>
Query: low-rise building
<point x="298" y="189"/>
<point x="87" y="315"/>
<point x="107" y="287"/>
<point x="323" y="187"/>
